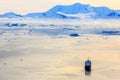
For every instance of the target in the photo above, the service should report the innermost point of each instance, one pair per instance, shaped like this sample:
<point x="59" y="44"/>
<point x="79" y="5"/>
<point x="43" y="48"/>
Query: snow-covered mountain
<point x="75" y="11"/>
<point x="11" y="15"/>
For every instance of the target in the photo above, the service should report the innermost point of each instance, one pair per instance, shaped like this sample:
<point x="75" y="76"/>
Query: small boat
<point x="88" y="65"/>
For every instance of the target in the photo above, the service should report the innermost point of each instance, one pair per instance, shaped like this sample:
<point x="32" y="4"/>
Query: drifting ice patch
<point x="111" y="32"/>
<point x="74" y="35"/>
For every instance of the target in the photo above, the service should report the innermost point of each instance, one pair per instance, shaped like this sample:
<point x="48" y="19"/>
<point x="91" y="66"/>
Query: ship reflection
<point x="87" y="73"/>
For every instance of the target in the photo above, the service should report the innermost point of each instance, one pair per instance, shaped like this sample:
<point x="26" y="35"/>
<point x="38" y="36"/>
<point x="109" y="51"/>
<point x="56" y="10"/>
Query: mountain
<point x="11" y="15"/>
<point x="75" y="11"/>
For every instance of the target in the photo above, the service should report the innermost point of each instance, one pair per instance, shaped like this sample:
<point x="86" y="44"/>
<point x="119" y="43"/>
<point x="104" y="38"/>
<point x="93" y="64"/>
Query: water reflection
<point x="87" y="73"/>
<point x="32" y="57"/>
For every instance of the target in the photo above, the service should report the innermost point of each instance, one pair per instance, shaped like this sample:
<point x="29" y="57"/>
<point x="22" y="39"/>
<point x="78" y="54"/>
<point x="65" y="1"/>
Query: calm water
<point x="43" y="57"/>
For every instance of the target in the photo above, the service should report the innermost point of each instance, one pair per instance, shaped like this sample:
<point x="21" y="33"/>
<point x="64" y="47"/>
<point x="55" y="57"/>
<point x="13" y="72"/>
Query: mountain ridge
<point x="70" y="12"/>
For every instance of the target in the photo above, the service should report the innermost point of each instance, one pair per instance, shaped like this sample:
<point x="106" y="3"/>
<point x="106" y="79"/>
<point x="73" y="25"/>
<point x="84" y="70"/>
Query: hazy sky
<point x="27" y="6"/>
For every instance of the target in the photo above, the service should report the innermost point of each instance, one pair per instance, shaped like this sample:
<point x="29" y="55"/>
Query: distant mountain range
<point x="75" y="11"/>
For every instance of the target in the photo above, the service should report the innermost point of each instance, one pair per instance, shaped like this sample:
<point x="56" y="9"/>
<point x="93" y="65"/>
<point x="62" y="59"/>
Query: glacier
<point x="61" y="27"/>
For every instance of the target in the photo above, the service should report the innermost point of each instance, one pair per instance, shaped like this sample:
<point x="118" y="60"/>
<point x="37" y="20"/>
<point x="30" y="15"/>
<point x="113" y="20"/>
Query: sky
<point x="28" y="6"/>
